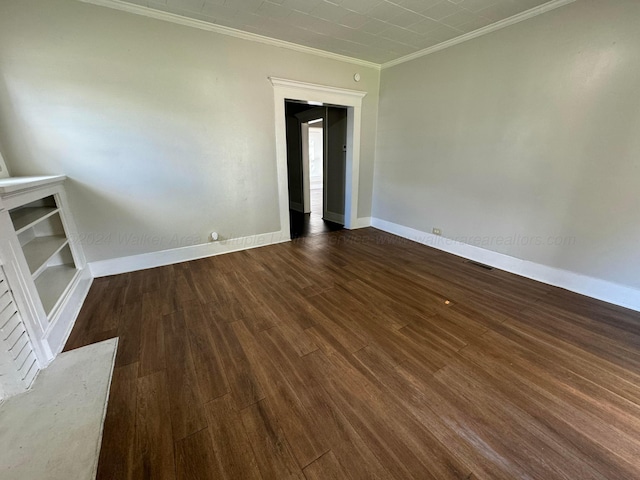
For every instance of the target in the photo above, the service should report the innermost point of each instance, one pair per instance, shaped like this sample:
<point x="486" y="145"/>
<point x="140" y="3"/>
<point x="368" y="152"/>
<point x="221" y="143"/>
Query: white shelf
<point x="27" y="217"/>
<point x="52" y="283"/>
<point x="15" y="184"/>
<point x="39" y="250"/>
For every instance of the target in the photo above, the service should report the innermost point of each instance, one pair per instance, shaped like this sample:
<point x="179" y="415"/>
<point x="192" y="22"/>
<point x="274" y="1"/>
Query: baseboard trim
<point x="67" y="313"/>
<point x="144" y="261"/>
<point x="592" y="287"/>
<point x="362" y="222"/>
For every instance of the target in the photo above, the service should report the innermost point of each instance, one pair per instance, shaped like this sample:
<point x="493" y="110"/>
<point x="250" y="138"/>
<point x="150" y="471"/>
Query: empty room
<point x="319" y="239"/>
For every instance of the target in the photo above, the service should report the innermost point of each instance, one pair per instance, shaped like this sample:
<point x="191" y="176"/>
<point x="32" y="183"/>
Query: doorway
<point x="316" y="167"/>
<point x="309" y="93"/>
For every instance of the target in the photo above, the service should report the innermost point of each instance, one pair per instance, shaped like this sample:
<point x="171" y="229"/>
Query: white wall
<point x="316" y="144"/>
<point x="527" y="133"/>
<point x="167" y="132"/>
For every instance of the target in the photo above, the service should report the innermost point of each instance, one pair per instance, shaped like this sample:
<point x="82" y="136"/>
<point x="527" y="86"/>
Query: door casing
<point x="307" y="92"/>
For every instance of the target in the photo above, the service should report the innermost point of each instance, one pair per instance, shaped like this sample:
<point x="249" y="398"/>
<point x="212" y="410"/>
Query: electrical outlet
<point x="437" y="231"/>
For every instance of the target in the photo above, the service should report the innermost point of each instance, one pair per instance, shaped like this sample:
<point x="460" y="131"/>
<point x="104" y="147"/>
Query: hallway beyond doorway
<point x="305" y="224"/>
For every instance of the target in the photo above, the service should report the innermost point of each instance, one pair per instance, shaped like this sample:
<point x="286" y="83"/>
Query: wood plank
<point x="78" y="336"/>
<point x="129" y="334"/>
<point x="211" y="377"/>
<point x="118" y="458"/>
<point x="185" y="399"/>
<point x="230" y="441"/>
<point x="326" y="467"/>
<point x="350" y="449"/>
<point x="152" y="346"/>
<point x="154" y="437"/>
<point x="414" y="392"/>
<point x="288" y="316"/>
<point x="509" y="431"/>
<point x="243" y="381"/>
<point x="299" y="424"/>
<point x="196" y="458"/>
<point x="406" y="449"/>
<point x="272" y="450"/>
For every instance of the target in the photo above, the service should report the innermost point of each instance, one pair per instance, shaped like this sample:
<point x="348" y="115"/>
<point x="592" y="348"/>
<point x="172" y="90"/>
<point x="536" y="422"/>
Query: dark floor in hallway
<point x="305" y="224"/>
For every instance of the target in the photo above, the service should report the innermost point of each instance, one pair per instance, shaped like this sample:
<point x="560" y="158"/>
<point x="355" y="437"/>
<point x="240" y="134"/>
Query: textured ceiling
<point x="374" y="30"/>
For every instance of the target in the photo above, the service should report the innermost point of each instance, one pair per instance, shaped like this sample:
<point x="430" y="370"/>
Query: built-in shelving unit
<point x="44" y="277"/>
<point x="46" y="248"/>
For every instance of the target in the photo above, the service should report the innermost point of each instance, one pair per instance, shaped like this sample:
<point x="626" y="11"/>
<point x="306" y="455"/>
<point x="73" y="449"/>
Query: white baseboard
<point x="114" y="266"/>
<point x="592" y="287"/>
<point x="64" y="317"/>
<point x="362" y="222"/>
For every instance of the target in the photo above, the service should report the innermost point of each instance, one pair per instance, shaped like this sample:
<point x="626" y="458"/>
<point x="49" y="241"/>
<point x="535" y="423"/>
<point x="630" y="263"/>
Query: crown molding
<point x="533" y="12"/>
<point x="254" y="37"/>
<point x="282" y="82"/>
<point x="212" y="27"/>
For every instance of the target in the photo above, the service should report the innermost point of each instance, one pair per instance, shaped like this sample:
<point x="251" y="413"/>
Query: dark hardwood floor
<point x="306" y="224"/>
<point x="359" y="355"/>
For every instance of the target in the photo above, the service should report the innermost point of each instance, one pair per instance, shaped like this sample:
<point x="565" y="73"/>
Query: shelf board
<point x="24" y="218"/>
<point x="13" y="184"/>
<point x="52" y="283"/>
<point x="39" y="250"/>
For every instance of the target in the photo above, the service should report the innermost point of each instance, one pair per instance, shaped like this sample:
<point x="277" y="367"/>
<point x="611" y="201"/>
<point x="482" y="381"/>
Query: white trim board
<point x="592" y="287"/>
<point x="520" y="17"/>
<point x="233" y="32"/>
<point x="362" y="222"/>
<point x="64" y="317"/>
<point x="309" y="92"/>
<point x="114" y="266"/>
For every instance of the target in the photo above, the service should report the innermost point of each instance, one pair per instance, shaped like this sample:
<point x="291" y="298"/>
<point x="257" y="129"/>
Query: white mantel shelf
<point x="14" y="184"/>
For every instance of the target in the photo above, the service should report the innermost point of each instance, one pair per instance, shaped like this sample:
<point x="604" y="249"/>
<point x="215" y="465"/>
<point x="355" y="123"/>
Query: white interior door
<point x="335" y="164"/>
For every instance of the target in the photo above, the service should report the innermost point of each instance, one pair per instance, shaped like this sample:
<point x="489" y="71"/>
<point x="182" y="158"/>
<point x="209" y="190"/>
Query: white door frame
<point x="308" y="92"/>
<point x="305" y="117"/>
<point x="306" y="181"/>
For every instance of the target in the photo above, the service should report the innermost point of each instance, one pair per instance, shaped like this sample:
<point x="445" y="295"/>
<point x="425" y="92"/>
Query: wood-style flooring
<point x="306" y="224"/>
<point x="359" y="355"/>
